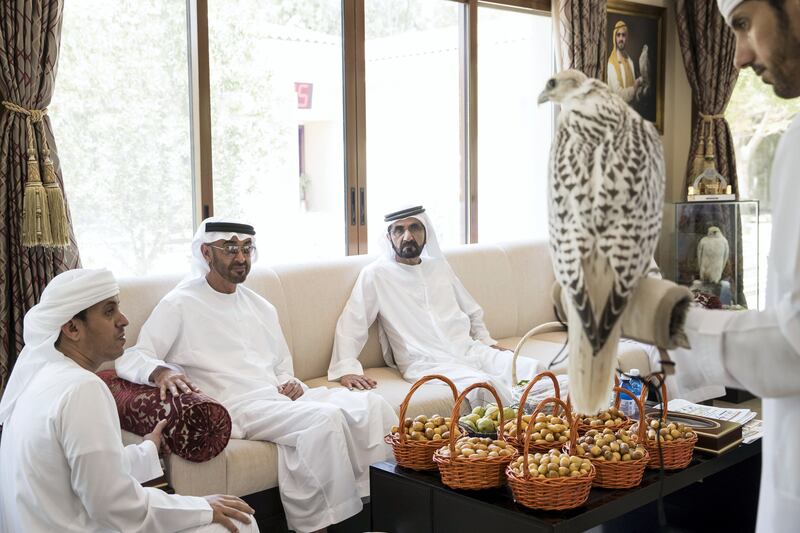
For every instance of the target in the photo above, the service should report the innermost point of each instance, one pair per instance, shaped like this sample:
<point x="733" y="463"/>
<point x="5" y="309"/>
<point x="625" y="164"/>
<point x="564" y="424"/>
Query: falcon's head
<point x="560" y="86"/>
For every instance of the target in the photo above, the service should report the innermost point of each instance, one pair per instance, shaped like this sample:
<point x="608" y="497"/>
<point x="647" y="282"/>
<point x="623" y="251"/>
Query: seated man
<point x="228" y="341"/>
<point x="63" y="464"/>
<point x="428" y="321"/>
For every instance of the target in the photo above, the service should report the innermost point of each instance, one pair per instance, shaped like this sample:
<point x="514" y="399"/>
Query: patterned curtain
<point x="580" y="33"/>
<point x="30" y="34"/>
<point x="708" y="47"/>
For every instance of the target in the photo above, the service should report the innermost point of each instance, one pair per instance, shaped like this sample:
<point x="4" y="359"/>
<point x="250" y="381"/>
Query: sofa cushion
<point x="138" y="297"/>
<point x="198" y="428"/>
<point x="485" y="272"/>
<point x="244" y="467"/>
<point x="250" y="466"/>
<point x="532" y="278"/>
<point x="315" y="294"/>
<point x="432" y="398"/>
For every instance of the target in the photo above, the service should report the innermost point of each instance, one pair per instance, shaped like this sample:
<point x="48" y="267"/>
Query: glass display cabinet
<point x="716" y="252"/>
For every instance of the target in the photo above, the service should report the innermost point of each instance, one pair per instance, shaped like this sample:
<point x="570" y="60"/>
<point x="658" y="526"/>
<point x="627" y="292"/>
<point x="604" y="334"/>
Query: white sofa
<point x="511" y="281"/>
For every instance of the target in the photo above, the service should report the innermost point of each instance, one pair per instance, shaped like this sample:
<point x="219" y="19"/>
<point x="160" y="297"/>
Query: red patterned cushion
<point x="198" y="427"/>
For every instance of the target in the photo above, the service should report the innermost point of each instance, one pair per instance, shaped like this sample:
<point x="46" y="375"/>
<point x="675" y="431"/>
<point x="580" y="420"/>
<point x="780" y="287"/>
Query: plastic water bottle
<point x="634" y="384"/>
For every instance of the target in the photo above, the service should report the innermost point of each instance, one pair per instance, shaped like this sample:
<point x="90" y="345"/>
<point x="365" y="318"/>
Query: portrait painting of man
<point x="635" y="69"/>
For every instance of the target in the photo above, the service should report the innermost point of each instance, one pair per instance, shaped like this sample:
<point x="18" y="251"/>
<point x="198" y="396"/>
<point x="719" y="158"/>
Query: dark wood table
<point x="712" y="492"/>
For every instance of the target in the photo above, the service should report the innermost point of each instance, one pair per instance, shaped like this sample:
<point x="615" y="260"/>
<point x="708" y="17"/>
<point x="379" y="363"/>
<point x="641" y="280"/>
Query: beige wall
<point x="677" y="132"/>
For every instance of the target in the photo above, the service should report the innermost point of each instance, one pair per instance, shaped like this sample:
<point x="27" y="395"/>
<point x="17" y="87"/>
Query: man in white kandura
<point x="62" y="464"/>
<point x="760" y="350"/>
<point x="228" y="341"/>
<point x="429" y="323"/>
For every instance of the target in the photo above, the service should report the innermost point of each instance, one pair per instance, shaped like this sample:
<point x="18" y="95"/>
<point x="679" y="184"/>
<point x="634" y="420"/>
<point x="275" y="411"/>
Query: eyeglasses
<point x="231" y="250"/>
<point x="415" y="228"/>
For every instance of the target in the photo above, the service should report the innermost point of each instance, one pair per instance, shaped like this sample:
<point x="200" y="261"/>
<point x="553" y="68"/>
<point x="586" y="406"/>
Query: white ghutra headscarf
<point x="199" y="266"/>
<point x="726" y="7"/>
<point x="430" y="250"/>
<point x="65" y="296"/>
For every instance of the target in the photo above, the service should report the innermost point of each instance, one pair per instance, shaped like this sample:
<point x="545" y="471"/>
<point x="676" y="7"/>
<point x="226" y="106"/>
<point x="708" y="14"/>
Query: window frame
<point x="354" y="187"/>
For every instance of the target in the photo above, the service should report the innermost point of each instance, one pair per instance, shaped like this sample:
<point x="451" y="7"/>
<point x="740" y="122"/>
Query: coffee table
<point x="722" y="490"/>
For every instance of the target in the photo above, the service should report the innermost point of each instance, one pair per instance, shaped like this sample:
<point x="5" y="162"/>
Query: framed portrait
<point x="636" y="49"/>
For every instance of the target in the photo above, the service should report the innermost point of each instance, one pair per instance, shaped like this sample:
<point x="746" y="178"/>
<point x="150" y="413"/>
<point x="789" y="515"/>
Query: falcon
<point x="712" y="255"/>
<point x="606" y="192"/>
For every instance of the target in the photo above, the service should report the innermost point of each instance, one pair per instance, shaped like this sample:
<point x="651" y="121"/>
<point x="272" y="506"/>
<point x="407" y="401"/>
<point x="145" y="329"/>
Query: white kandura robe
<point x="624" y="87"/>
<point x="63" y="467"/>
<point x="429" y="323"/>
<point x="760" y="351"/>
<point x="232" y="347"/>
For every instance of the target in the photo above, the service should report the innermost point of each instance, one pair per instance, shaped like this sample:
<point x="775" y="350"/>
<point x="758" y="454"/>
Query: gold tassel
<point x="35" y="215"/>
<point x="59" y="227"/>
<point x="699" y="158"/>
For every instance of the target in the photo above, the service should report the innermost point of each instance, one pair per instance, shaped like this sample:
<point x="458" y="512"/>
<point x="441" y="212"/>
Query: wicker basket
<point x="625" y="424"/>
<point x="549" y="494"/>
<point x="515" y="440"/>
<point x="468" y="473"/>
<point x="415" y="454"/>
<point x="677" y="454"/>
<point x="622" y="474"/>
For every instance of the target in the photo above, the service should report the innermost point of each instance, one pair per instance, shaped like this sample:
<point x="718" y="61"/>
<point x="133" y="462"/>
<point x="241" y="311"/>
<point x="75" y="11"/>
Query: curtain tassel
<point x="44" y="212"/>
<point x="59" y="227"/>
<point x="35" y="213"/>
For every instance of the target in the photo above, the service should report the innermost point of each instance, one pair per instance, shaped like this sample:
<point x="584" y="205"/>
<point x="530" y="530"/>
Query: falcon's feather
<point x="606" y="188"/>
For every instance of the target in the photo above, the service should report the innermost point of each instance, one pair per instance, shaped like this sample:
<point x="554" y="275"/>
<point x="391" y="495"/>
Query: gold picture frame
<point x="645" y="26"/>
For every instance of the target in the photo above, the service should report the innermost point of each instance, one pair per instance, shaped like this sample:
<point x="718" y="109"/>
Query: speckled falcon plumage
<point x="606" y="192"/>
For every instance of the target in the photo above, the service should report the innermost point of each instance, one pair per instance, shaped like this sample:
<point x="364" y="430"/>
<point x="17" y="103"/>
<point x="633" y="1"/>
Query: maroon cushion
<point x="198" y="427"/>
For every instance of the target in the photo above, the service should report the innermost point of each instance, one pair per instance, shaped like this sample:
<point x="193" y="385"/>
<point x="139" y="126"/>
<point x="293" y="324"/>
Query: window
<point x="757" y="119"/>
<point x="413" y="122"/>
<point x="277" y="123"/>
<point x="310" y="119"/>
<point x="514" y="133"/>
<point x="120" y="115"/>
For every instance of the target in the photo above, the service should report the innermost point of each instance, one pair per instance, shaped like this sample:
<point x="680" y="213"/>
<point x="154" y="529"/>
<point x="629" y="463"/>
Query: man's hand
<point x="498" y="347"/>
<point x="291" y="389"/>
<point x="166" y="378"/>
<point x="354" y="381"/>
<point x="155" y="435"/>
<point x="226" y="507"/>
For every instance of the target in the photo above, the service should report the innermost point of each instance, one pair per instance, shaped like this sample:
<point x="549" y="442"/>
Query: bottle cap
<point x="634" y="372"/>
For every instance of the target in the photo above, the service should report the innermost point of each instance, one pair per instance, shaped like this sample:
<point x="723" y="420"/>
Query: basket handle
<point x="664" y="399"/>
<point x="420" y="382"/>
<point x="571" y="423"/>
<point x="524" y="397"/>
<point x="457" y="410"/>
<point x="640" y="405"/>
<point x="547" y="327"/>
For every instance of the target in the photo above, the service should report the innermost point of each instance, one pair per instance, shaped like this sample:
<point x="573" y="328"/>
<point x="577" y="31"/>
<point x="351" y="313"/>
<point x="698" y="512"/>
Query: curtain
<point x="30" y="34"/>
<point x="580" y="35"/>
<point x="708" y="47"/>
